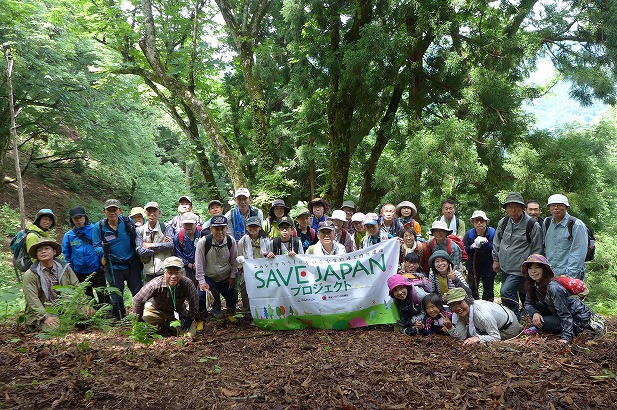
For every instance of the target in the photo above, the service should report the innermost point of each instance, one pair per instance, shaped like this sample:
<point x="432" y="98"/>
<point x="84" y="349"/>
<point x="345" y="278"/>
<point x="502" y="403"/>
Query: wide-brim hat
<point x="439" y="254"/>
<point x="397" y="280"/>
<point x="44" y="242"/>
<point x="357" y="217"/>
<point x="536" y="258"/>
<point x="408" y="204"/>
<point x="558" y="199"/>
<point x="514" y="198"/>
<point x="441" y="225"/>
<point x="275" y="203"/>
<point x="321" y="201"/>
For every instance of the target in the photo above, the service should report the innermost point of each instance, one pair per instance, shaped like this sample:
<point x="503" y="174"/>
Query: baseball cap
<point x="242" y="192"/>
<point x="252" y="220"/>
<point x="325" y="226"/>
<point x="340" y="215"/>
<point x="188" y="198"/>
<point x="189" y="218"/>
<point x="218" y="220"/>
<point x="173" y="262"/>
<point x="286" y="220"/>
<point x="370" y="219"/>
<point x="357" y="217"/>
<point x="152" y="205"/>
<point x="112" y="203"/>
<point x="214" y="202"/>
<point x="79" y="211"/>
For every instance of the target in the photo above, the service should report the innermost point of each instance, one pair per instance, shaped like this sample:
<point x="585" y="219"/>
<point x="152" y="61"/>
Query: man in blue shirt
<point x="565" y="251"/>
<point x="114" y="240"/>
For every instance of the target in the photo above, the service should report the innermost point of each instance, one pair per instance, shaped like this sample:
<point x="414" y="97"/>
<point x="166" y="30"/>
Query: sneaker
<point x="598" y="324"/>
<point x="217" y="313"/>
<point x="531" y="331"/>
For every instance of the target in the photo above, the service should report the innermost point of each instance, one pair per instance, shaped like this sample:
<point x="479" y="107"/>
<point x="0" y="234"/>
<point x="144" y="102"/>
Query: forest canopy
<point x="374" y="101"/>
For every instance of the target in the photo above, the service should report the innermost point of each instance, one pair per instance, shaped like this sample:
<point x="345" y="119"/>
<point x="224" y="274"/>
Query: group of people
<point x="180" y="269"/>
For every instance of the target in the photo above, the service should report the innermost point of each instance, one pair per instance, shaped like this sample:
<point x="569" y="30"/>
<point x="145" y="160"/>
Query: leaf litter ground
<point x="238" y="366"/>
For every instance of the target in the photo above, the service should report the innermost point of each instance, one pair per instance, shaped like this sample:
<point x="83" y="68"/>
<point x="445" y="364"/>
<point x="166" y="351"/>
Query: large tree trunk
<point x="192" y="102"/>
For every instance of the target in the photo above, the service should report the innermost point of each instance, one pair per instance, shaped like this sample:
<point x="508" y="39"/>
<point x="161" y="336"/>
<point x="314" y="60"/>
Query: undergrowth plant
<point x="142" y="332"/>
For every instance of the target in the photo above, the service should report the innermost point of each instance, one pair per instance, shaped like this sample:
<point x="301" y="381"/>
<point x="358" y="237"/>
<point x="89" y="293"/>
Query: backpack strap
<point x="449" y="246"/>
<point x="181" y="238"/>
<point x="502" y="227"/>
<point x="530" y="223"/>
<point x="82" y="236"/>
<point x="571" y="223"/>
<point x="276" y="246"/>
<point x="456" y="224"/>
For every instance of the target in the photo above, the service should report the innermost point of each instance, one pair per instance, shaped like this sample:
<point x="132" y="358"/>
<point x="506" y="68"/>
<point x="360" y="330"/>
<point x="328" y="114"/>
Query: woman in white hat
<point x="479" y="246"/>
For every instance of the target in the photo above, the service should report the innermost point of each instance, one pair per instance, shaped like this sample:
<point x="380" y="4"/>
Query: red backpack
<point x="573" y="285"/>
<point x="451" y="238"/>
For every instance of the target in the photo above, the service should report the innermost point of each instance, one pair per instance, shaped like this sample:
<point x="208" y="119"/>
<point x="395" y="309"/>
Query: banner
<point x="326" y="292"/>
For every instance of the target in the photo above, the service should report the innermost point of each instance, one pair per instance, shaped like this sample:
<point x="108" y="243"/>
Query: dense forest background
<point x="374" y="101"/>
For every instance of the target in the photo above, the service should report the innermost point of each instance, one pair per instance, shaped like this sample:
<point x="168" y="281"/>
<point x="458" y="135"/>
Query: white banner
<point x="327" y="292"/>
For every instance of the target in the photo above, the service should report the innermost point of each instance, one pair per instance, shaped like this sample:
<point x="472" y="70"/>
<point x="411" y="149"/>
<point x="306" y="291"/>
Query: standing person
<point x="479" y="321"/>
<point x="80" y="254"/>
<point x="255" y="244"/>
<point x="216" y="266"/>
<point x="215" y="208"/>
<point x="326" y="244"/>
<point x="534" y="209"/>
<point x="114" y="240"/>
<point x="185" y="204"/>
<point x="40" y="228"/>
<point x="565" y="239"/>
<point x="360" y="229"/>
<point x="238" y="215"/>
<point x="550" y="306"/>
<point x="153" y="243"/>
<point x="138" y="215"/>
<point x="307" y="235"/>
<point x="406" y="212"/>
<point x="388" y="221"/>
<point x="275" y="213"/>
<point x="517" y="236"/>
<point x="162" y="300"/>
<point x="285" y="243"/>
<point x="448" y="210"/>
<point x="374" y="233"/>
<point x="440" y="241"/>
<point x="349" y="207"/>
<point x="319" y="210"/>
<point x="342" y="235"/>
<point x="46" y="272"/>
<point x="479" y="246"/>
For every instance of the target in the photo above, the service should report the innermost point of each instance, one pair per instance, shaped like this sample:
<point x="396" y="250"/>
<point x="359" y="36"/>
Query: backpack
<point x="129" y="226"/>
<point x="573" y="285"/>
<point x="277" y="248"/>
<point x="181" y="236"/>
<point x="208" y="243"/>
<point x="21" y="259"/>
<point x="591" y="239"/>
<point x="502" y="228"/>
<point x="449" y="239"/>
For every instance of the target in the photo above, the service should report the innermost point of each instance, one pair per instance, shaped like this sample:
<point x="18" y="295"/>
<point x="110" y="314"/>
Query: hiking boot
<point x="217" y="313"/>
<point x="598" y="324"/>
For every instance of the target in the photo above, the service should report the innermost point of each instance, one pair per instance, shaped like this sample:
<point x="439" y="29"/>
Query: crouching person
<point x="162" y="300"/>
<point x="478" y="321"/>
<point x="46" y="271"/>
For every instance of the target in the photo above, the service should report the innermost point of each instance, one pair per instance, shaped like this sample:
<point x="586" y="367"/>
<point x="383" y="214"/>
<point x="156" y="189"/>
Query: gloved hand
<point x="185" y="323"/>
<point x="480" y="240"/>
<point x="473" y="245"/>
<point x="106" y="247"/>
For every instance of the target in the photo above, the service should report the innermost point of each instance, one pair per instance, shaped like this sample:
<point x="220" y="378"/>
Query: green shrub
<point x="602" y="276"/>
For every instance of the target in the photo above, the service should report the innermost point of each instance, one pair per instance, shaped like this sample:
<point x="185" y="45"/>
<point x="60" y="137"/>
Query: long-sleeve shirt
<point x="488" y="318"/>
<point x="185" y="250"/>
<point x="511" y="249"/>
<point x="566" y="255"/>
<point x="153" y="257"/>
<point x="161" y="297"/>
<point x="122" y="246"/>
<point x="557" y="300"/>
<point x="219" y="264"/>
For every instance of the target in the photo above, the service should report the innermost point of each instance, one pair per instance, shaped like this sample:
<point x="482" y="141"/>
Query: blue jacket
<point x="122" y="245"/>
<point x="79" y="254"/>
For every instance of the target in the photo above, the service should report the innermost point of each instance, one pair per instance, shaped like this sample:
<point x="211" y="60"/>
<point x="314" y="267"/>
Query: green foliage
<point x="142" y="332"/>
<point x="9" y="221"/>
<point x="602" y="276"/>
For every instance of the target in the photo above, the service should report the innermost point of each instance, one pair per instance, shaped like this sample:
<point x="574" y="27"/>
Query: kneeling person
<point x="167" y="295"/>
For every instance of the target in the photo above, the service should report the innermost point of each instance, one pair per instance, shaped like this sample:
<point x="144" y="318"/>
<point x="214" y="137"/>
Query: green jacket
<point x="36" y="296"/>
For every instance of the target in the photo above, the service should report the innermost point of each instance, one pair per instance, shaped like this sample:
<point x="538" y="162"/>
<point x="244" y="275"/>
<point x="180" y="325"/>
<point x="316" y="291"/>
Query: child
<point x="255" y="244"/>
<point x="318" y="208"/>
<point x="276" y="212"/>
<point x="444" y="276"/>
<point x="410" y="268"/>
<point x="306" y="234"/>
<point x="436" y="314"/>
<point x="407" y="299"/>
<point x="285" y="244"/>
<point x="550" y="305"/>
<point x="411" y="245"/>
